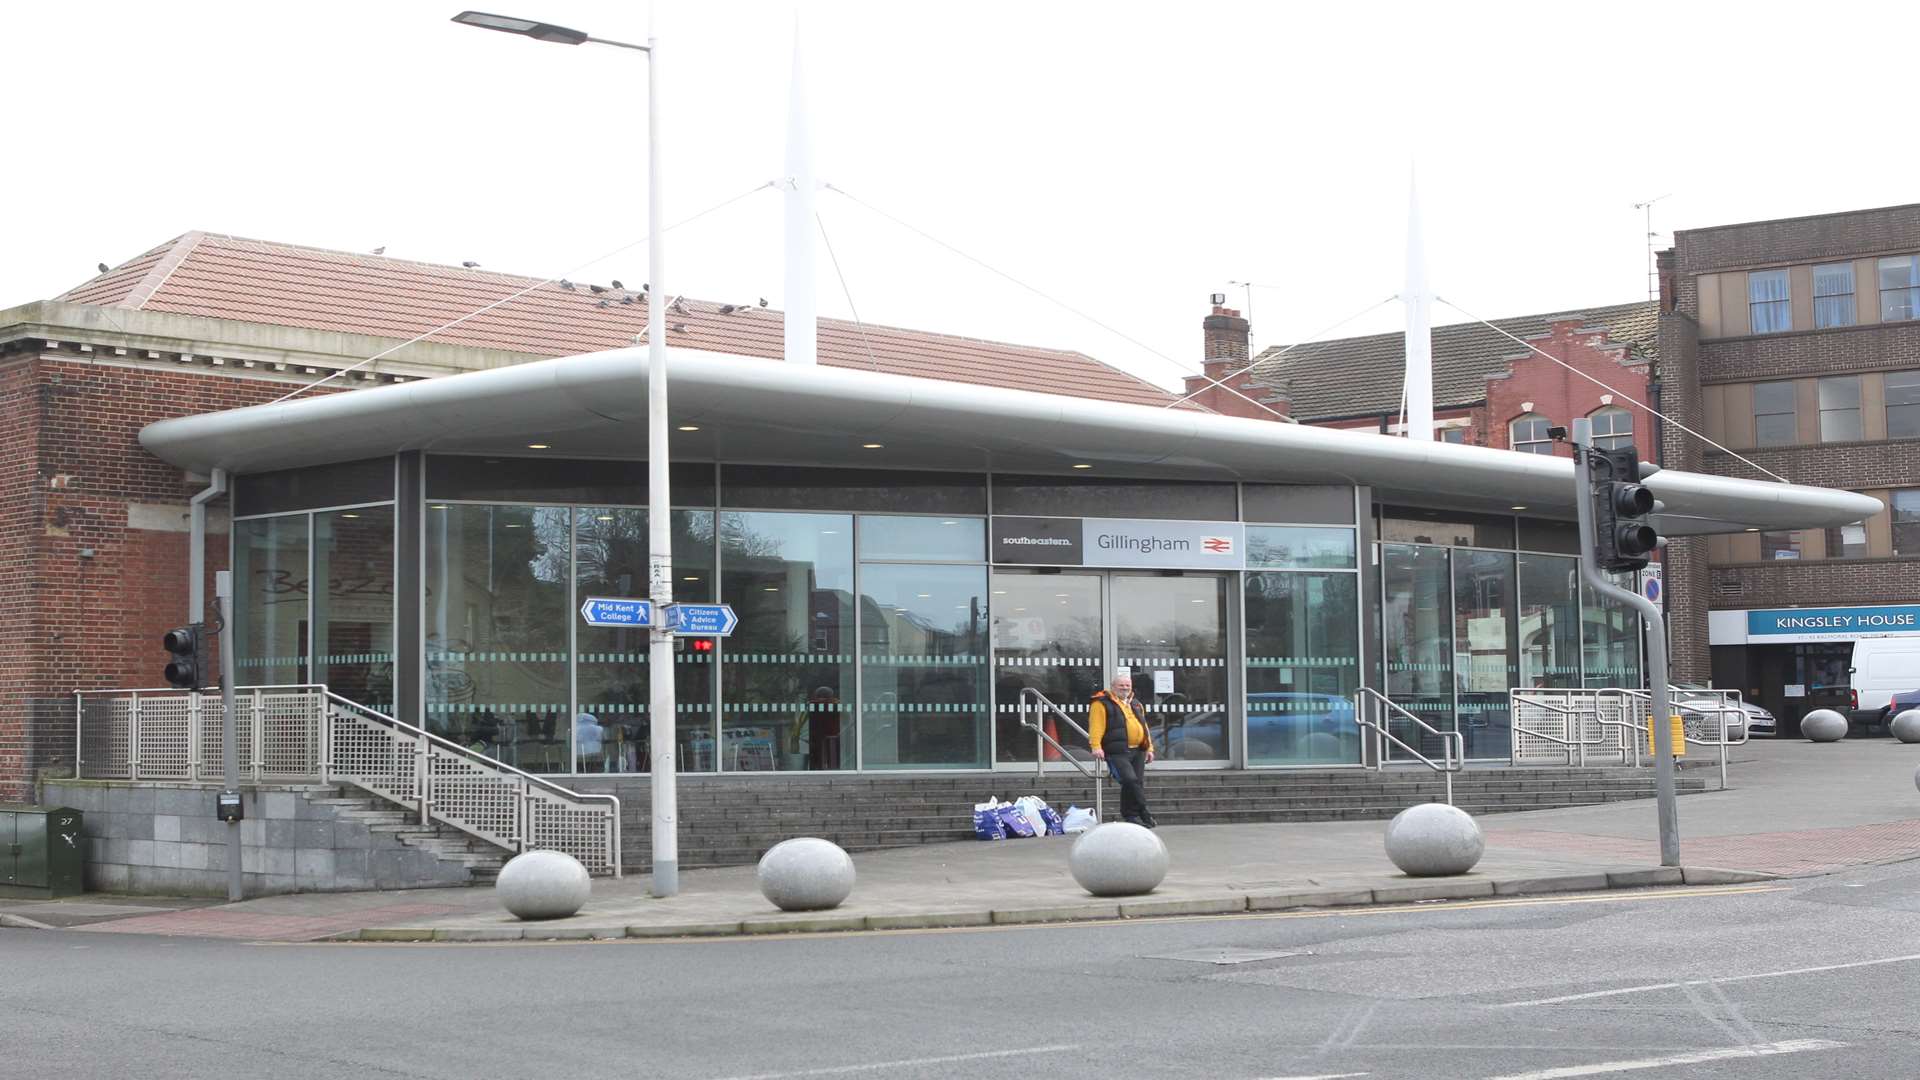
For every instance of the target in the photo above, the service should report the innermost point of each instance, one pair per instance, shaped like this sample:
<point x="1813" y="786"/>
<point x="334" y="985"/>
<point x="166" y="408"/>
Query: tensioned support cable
<point x="1609" y="389"/>
<point x="1264" y="358"/>
<point x="443" y="327"/>
<point x="872" y="362"/>
<point x="1041" y="293"/>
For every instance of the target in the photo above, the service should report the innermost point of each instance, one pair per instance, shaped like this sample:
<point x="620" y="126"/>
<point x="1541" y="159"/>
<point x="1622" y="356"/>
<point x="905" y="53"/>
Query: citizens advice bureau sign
<point x="1122" y="542"/>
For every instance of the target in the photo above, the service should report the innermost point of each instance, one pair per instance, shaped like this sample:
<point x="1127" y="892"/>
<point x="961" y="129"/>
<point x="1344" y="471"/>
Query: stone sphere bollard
<point x="1823" y="725"/>
<point x="1916" y="778"/>
<point x="805" y="874"/>
<point x="543" y="885"/>
<point x="1906" y="726"/>
<point x="1434" y="840"/>
<point x="1118" y="858"/>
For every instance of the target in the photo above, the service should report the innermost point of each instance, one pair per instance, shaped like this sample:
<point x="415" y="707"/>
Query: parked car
<point x="1757" y="721"/>
<point x="1280" y="725"/>
<point x="1898" y="702"/>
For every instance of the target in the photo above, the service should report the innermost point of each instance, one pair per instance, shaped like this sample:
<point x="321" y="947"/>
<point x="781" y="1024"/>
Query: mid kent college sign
<point x="1125" y="542"/>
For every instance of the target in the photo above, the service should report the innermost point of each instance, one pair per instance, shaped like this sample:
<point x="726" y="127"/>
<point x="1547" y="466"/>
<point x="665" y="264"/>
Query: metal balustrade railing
<point x="1368" y="702"/>
<point x="1034" y="708"/>
<point x="1610" y="723"/>
<point x="307" y="734"/>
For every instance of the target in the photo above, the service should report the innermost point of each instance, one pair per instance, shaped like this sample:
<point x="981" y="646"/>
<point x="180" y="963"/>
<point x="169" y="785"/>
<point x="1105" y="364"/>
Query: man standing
<point x="1120" y="738"/>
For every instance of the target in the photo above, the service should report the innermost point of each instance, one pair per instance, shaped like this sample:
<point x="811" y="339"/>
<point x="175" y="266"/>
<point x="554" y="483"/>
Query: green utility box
<point x="42" y="853"/>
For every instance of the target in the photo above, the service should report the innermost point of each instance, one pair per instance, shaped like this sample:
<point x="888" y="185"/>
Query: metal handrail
<point x="1032" y="697"/>
<point x="1450" y="761"/>
<point x="428" y="738"/>
<point x="1516" y="696"/>
<point x="1732" y="705"/>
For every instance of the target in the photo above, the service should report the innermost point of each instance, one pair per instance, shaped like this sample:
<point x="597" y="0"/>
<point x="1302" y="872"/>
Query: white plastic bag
<point x="1030" y="807"/>
<point x="1078" y="820"/>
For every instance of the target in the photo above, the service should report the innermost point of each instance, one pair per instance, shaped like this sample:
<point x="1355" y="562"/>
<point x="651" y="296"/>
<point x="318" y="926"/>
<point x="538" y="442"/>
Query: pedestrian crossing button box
<point x="228" y="807"/>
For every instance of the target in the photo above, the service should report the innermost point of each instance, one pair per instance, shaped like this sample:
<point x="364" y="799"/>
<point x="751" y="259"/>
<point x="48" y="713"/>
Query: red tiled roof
<point x="224" y="277"/>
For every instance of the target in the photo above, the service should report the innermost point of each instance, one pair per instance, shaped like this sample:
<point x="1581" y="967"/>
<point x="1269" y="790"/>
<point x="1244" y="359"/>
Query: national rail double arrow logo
<point x="1217" y="545"/>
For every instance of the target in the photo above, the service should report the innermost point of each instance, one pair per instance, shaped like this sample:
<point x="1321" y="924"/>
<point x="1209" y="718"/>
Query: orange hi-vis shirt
<point x="1137" y="734"/>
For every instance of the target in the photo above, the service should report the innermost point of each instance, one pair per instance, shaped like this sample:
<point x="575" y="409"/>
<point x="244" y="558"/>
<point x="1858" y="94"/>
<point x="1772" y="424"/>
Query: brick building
<point x="1797" y="345"/>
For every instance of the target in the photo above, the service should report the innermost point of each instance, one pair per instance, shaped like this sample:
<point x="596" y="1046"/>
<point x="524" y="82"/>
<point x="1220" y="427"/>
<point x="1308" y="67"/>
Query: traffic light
<point x="188" y="668"/>
<point x="1622" y="536"/>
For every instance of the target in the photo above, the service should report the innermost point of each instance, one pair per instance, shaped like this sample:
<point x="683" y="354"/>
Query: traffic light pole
<point x="229" y="750"/>
<point x="1656" y="629"/>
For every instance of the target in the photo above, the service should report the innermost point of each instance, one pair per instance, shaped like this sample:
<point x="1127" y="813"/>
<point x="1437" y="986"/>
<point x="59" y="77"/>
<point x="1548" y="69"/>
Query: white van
<point x="1883" y="667"/>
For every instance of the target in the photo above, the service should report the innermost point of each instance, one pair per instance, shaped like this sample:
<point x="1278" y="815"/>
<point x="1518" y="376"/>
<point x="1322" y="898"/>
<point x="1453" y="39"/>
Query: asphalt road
<point x="1658" y="983"/>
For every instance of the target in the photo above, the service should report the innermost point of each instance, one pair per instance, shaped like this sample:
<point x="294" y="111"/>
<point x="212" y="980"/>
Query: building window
<point x="1833" y="295"/>
<point x="1455" y="435"/>
<point x="1773" y="417"/>
<point x="1840" y="409"/>
<point x="1779" y="545"/>
<point x="1903" y="405"/>
<point x="1770" y="299"/>
<point x="1900" y="288"/>
<point x="1906" y="522"/>
<point x="1612" y="428"/>
<point x="1847" y="541"/>
<point x="1530" y="434"/>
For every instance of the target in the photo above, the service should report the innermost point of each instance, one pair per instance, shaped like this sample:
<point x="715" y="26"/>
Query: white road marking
<point x="1791" y="1046"/>
<point x="1317" y="1076"/>
<point x="1590" y="995"/>
<point x="841" y="1070"/>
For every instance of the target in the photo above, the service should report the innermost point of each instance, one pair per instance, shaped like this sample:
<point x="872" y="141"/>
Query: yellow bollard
<point x="1679" y="737"/>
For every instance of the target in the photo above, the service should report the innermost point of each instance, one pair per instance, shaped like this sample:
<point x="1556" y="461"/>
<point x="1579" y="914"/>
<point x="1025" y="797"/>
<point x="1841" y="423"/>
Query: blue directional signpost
<point x="616" y="611"/>
<point x="701" y="620"/>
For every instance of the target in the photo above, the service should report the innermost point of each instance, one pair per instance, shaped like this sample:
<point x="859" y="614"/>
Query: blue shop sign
<point x="1836" y="622"/>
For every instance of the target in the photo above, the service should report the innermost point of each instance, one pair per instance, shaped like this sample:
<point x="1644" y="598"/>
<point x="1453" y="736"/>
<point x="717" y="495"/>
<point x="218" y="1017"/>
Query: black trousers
<point x="1130" y="772"/>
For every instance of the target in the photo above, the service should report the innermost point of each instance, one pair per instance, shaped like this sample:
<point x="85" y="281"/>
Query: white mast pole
<point x="802" y="306"/>
<point x="1419" y="301"/>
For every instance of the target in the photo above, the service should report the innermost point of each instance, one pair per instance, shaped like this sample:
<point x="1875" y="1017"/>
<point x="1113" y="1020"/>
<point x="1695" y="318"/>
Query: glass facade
<point x="873" y="633"/>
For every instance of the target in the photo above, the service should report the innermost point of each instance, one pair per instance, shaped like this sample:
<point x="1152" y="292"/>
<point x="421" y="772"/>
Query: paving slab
<point x="1793" y="808"/>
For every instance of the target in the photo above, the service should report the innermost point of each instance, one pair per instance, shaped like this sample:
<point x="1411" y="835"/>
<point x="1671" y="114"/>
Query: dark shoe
<point x="1149" y="822"/>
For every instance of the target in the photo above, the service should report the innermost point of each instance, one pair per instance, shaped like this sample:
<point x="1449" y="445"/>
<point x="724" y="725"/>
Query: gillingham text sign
<point x="1164" y="545"/>
<point x="1803" y="623"/>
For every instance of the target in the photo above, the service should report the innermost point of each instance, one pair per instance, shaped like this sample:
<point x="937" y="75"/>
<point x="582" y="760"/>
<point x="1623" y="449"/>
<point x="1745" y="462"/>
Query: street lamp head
<point x="507" y="24"/>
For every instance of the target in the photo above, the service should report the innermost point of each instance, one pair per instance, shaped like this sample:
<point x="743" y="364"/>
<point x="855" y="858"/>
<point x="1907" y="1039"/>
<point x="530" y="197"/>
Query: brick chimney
<point x="1225" y="348"/>
<point x="1666" y="264"/>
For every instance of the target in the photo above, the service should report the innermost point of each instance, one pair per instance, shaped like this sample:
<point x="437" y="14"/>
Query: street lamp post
<point x="660" y="702"/>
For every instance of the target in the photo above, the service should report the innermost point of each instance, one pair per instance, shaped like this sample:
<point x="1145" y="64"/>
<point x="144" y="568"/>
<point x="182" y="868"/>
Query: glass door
<point x="1171" y="631"/>
<point x="1047" y="634"/>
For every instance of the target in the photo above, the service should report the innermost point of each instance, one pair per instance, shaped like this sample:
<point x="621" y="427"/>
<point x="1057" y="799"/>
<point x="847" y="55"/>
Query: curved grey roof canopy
<point x="756" y="410"/>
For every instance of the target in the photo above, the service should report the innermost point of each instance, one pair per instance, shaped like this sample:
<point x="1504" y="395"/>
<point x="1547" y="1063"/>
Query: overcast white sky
<point x="1127" y="158"/>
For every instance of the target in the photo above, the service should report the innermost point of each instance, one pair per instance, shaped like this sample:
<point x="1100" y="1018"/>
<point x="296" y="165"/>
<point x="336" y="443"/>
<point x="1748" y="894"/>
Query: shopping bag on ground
<point x="1016" y="822"/>
<point x="1041" y="816"/>
<point x="986" y="821"/>
<point x="1078" y="820"/>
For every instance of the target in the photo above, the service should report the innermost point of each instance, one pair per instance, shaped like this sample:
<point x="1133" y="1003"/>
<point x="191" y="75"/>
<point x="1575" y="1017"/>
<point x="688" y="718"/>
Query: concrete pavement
<point x="1794" y="808"/>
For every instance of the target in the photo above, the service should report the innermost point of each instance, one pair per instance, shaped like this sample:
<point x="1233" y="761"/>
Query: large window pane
<point x="1612" y="639"/>
<point x="1770" y="300"/>
<point x="1833" y="295"/>
<point x="1484" y="662"/>
<point x="270" y="587"/>
<point x="1299" y="548"/>
<point x="1773" y="414"/>
<point x="1416" y="621"/>
<point x="1302" y="670"/>
<point x="611" y="726"/>
<point x="1900" y="288"/>
<point x="1549" y="621"/>
<point x="956" y="539"/>
<point x="1906" y="522"/>
<point x="1612" y="428"/>
<point x="1840" y="409"/>
<point x="787" y="672"/>
<point x="1047" y="636"/>
<point x="1847" y="541"/>
<point x="1903" y="405"/>
<point x="496" y="631"/>
<point x="1171" y="633"/>
<point x="923" y="658"/>
<point x="353" y="608"/>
